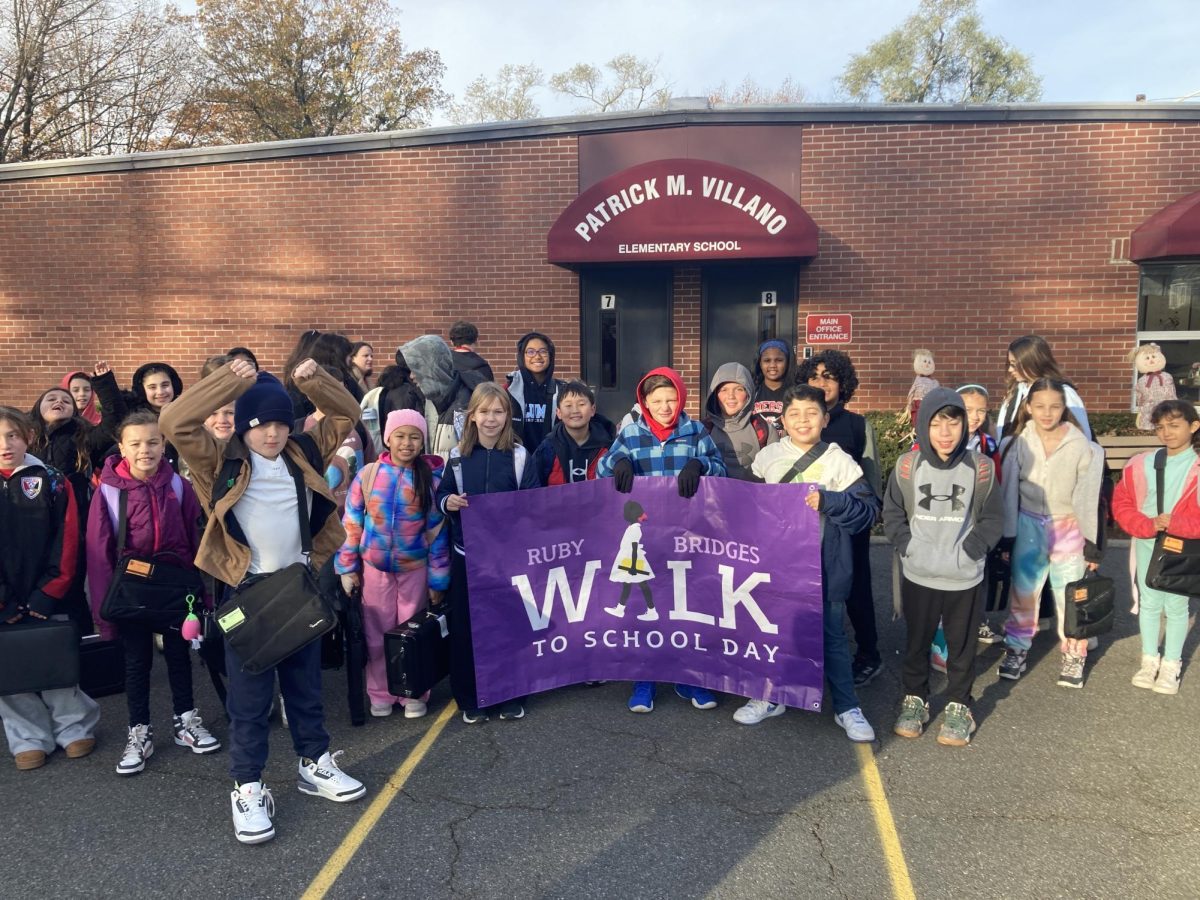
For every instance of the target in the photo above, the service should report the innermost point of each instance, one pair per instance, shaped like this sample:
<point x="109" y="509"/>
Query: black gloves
<point x="689" y="478"/>
<point x="1092" y="553"/>
<point x="623" y="476"/>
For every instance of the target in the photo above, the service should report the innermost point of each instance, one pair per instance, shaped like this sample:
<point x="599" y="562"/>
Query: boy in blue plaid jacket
<point x="663" y="440"/>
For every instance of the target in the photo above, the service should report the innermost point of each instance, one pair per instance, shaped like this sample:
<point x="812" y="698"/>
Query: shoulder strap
<point x="177" y="487"/>
<point x="802" y="464"/>
<point x="312" y="453"/>
<point x="302" y="499"/>
<point x="367" y="478"/>
<point x="455" y="463"/>
<point x="904" y="472"/>
<point x="226" y="479"/>
<point x="519" y="457"/>
<point x="1160" y="478"/>
<point x="116" y="503"/>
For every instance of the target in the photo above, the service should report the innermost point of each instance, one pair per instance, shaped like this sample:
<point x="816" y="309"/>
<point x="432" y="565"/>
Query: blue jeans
<point x="249" y="707"/>
<point x="838" y="669"/>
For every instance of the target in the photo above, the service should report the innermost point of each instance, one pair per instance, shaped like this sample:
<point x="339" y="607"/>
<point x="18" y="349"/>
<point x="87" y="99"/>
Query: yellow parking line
<point x="341" y="857"/>
<point x="893" y="854"/>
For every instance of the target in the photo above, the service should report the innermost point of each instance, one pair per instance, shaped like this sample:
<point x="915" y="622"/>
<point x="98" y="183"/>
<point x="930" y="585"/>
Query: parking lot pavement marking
<point x="893" y="854"/>
<point x="349" y="846"/>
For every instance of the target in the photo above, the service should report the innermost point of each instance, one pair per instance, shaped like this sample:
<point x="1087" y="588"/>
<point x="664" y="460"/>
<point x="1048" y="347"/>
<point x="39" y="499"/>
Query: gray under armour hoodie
<point x="941" y="546"/>
<point x="734" y="435"/>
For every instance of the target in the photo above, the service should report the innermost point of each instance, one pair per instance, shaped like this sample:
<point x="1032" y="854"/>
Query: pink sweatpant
<point x="388" y="599"/>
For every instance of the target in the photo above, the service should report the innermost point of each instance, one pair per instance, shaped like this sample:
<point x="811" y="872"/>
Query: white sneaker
<point x="1144" y="676"/>
<point x="856" y="726"/>
<point x="381" y="710"/>
<point x="414" y="709"/>
<point x="138" y="749"/>
<point x="756" y="710"/>
<point x="618" y="610"/>
<point x="253" y="807"/>
<point x="650" y="615"/>
<point x="190" y="732"/>
<point x="323" y="778"/>
<point x="1168" y="677"/>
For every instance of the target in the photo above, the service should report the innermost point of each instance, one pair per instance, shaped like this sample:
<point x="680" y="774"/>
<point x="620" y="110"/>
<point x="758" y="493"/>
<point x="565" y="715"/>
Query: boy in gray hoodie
<point x="943" y="512"/>
<point x="737" y="430"/>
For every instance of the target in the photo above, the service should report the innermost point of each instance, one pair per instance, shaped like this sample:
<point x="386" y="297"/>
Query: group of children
<point x="236" y="478"/>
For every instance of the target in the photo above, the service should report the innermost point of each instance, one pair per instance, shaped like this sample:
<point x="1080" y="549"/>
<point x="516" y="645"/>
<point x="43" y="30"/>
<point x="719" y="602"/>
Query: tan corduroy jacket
<point x="221" y="555"/>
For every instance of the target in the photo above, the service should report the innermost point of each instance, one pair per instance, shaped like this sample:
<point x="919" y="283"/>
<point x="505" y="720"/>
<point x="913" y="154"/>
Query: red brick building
<point x="956" y="229"/>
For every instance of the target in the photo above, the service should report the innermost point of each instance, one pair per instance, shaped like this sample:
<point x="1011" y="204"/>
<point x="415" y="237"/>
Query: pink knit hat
<point x="398" y="417"/>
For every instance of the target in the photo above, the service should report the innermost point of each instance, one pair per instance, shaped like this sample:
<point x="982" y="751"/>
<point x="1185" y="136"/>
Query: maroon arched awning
<point x="1172" y="231"/>
<point x="681" y="209"/>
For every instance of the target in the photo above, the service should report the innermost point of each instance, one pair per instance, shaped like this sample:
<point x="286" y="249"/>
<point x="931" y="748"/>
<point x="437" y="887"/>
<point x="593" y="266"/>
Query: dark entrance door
<point x="626" y="325"/>
<point x="741" y="307"/>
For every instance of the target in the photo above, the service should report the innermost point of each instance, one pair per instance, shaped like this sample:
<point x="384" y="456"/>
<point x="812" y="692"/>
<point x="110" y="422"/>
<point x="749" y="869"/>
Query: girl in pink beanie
<point x="396" y="549"/>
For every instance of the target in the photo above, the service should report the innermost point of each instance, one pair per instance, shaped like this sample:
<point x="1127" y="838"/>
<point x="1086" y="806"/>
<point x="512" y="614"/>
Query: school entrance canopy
<point x="1172" y="231"/>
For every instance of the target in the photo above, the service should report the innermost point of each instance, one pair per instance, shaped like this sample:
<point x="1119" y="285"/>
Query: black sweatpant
<point x="860" y="605"/>
<point x="959" y="613"/>
<point x="139" y="658"/>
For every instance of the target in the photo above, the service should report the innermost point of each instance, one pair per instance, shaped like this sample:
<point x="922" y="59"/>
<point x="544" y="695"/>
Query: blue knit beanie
<point x="266" y="402"/>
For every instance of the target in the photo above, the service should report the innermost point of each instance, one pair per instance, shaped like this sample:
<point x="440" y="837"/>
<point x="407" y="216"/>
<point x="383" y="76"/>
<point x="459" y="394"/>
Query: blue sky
<point x="1108" y="50"/>
<point x="1085" y="50"/>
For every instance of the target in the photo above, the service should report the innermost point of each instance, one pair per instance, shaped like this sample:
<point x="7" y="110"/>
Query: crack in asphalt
<point x="815" y="830"/>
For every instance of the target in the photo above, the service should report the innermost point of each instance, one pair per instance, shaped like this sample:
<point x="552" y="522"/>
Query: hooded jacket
<point x="681" y="441"/>
<point x="472" y="367"/>
<point x="157" y="521"/>
<point x="534" y="402"/>
<point x="40" y="551"/>
<point x="739" y="437"/>
<point x="560" y="460"/>
<point x="221" y="553"/>
<point x="432" y="365"/>
<point x="139" y="392"/>
<point x="940" y="544"/>
<point x="89" y="412"/>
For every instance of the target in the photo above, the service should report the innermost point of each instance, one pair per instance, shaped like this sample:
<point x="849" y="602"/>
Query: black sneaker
<point x="1012" y="666"/>
<point x="513" y="709"/>
<point x="474" y="716"/>
<point x="866" y="672"/>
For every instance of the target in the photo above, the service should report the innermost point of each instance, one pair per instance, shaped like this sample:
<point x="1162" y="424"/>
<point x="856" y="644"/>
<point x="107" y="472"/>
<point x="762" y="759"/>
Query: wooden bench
<point x="1120" y="448"/>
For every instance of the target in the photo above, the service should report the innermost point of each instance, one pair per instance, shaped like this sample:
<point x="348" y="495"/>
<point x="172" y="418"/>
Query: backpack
<point x="985" y="473"/>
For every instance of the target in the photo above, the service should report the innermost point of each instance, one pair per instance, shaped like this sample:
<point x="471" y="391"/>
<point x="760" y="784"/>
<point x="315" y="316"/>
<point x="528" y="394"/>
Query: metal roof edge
<point x="881" y="114"/>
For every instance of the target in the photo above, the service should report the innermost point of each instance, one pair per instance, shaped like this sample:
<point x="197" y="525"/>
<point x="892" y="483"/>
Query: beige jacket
<point x="220" y="555"/>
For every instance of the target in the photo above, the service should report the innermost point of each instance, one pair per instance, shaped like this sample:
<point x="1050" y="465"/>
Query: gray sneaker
<point x="1012" y="666"/>
<point x="957" y="726"/>
<point x="914" y="713"/>
<point x="1071" y="675"/>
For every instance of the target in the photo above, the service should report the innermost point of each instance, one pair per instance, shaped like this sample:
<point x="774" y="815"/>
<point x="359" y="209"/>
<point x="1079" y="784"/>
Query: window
<point x="1169" y="315"/>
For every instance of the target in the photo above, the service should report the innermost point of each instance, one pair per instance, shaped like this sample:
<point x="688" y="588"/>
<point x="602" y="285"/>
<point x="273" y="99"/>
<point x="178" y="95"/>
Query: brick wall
<point x="962" y="237"/>
<point x="179" y="264"/>
<point x="956" y="236"/>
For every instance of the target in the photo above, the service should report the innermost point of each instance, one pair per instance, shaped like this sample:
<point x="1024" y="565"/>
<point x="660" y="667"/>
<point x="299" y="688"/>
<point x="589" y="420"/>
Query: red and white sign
<point x="834" y="329"/>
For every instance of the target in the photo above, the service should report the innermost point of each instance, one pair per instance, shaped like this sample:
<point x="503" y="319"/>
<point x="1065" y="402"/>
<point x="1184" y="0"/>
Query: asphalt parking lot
<point x="1062" y="793"/>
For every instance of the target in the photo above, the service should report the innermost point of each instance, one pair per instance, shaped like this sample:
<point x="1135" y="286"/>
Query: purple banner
<point x="580" y="583"/>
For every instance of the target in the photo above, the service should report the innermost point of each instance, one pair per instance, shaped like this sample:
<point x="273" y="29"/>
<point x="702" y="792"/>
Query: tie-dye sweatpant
<point x="1044" y="547"/>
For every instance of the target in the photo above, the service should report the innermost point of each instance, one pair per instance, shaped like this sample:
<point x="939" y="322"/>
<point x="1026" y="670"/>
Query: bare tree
<point x="506" y="98"/>
<point x="629" y="83"/>
<point x="751" y="93"/>
<point x="80" y="77"/>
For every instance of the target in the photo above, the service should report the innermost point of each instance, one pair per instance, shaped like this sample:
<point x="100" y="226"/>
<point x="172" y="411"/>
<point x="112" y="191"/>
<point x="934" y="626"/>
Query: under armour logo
<point x="956" y="491"/>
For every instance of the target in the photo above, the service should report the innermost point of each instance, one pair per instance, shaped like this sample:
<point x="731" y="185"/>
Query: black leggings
<point x="139" y="658"/>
